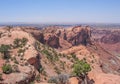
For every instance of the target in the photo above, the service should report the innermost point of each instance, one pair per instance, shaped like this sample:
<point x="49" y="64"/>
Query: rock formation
<point x="43" y="53"/>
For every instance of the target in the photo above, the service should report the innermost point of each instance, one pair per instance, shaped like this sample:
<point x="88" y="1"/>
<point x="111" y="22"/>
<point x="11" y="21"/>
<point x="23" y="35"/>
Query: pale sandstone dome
<point x="18" y="33"/>
<point x="26" y="72"/>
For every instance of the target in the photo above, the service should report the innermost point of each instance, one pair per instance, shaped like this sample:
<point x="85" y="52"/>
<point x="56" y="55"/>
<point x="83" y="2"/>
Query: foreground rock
<point x="23" y="71"/>
<point x="74" y="80"/>
<point x="102" y="78"/>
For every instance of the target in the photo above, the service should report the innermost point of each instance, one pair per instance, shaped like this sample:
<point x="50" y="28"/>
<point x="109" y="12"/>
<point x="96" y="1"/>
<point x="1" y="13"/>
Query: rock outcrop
<point x="74" y="80"/>
<point x="52" y="41"/>
<point x="57" y="37"/>
<point x="78" y="35"/>
<point x="24" y="71"/>
<point x="36" y="56"/>
<point x="35" y="61"/>
<point x="112" y="38"/>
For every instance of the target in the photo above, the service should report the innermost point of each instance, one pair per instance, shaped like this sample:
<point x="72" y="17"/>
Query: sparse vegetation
<point x="50" y="55"/>
<point x="20" y="42"/>
<point x="24" y="41"/>
<point x="9" y="28"/>
<point x="60" y="79"/>
<point x="21" y="50"/>
<point x="37" y="78"/>
<point x="80" y="69"/>
<point x="62" y="64"/>
<point x="4" y="49"/>
<point x="74" y="57"/>
<point x="1" y="77"/>
<point x="57" y="70"/>
<point x="41" y="69"/>
<point x="16" y="43"/>
<point x="15" y="61"/>
<point x="7" y="69"/>
<point x="15" y="68"/>
<point x="53" y="80"/>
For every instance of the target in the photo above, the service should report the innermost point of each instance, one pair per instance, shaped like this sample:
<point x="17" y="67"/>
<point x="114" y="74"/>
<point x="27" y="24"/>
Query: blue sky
<point x="60" y="11"/>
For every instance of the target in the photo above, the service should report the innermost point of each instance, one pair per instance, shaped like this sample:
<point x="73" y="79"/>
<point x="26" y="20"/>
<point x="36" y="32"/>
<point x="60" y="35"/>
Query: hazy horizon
<point x="59" y="11"/>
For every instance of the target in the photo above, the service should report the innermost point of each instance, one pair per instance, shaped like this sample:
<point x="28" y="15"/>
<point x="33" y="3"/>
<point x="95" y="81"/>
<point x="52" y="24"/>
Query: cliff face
<point x="55" y="36"/>
<point x="112" y="38"/>
<point x="78" y="35"/>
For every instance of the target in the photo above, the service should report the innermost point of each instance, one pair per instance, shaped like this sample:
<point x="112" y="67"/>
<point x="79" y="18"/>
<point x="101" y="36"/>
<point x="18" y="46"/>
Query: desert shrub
<point x="1" y="77"/>
<point x="62" y="64"/>
<point x="60" y="54"/>
<point x="57" y="70"/>
<point x="44" y="73"/>
<point x="37" y="46"/>
<point x="74" y="57"/>
<point x="53" y="80"/>
<point x="37" y="78"/>
<point x="26" y="63"/>
<point x="63" y="79"/>
<point x="40" y="69"/>
<point x="60" y="79"/>
<point x="15" y="60"/>
<point x="7" y="69"/>
<point x="21" y="50"/>
<point x="20" y="42"/>
<point x="17" y="42"/>
<point x="24" y="41"/>
<point x="21" y="58"/>
<point x="81" y="67"/>
<point x="64" y="55"/>
<point x="4" y="49"/>
<point x="15" y="68"/>
<point x="50" y="56"/>
<point x="32" y="83"/>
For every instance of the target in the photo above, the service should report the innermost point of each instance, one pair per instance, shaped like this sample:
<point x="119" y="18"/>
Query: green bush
<point x="20" y="42"/>
<point x="74" y="57"/>
<point x="50" y="56"/>
<point x="17" y="42"/>
<point x="24" y="41"/>
<point x="81" y="68"/>
<point x="7" y="69"/>
<point x="4" y="49"/>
